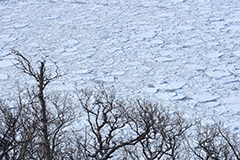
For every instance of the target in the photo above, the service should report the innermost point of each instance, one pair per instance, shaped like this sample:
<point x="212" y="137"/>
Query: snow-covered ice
<point x="3" y="76"/>
<point x="206" y="98"/>
<point x="183" y="53"/>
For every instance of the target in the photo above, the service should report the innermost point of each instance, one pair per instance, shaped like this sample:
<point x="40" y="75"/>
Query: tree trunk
<point x="43" y="112"/>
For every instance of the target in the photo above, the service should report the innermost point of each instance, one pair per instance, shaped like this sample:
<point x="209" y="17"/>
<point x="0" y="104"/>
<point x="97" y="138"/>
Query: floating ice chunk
<point x="232" y="102"/>
<point x="10" y="39"/>
<point x="235" y="18"/>
<point x="214" y="55"/>
<point x="166" y="53"/>
<point x="212" y="104"/>
<point x="71" y="42"/>
<point x="212" y="43"/>
<point x="165" y="95"/>
<point x="4" y="36"/>
<point x="149" y="90"/>
<point x="237" y="53"/>
<point x="192" y="41"/>
<point x="105" y="37"/>
<point x="197" y="67"/>
<point x="147" y="34"/>
<point x="5" y="63"/>
<point x="234" y="107"/>
<point x="64" y="22"/>
<point x="50" y="17"/>
<point x="165" y="15"/>
<point x="145" y="69"/>
<point x="59" y="50"/>
<point x="217" y="73"/>
<point x="220" y="109"/>
<point x="184" y="27"/>
<point x="234" y="28"/>
<point x="231" y="99"/>
<point x="177" y="1"/>
<point x="3" y="77"/>
<point x="108" y="79"/>
<point x="118" y="73"/>
<point x="20" y="25"/>
<point x="206" y="98"/>
<point x="157" y="41"/>
<point x="178" y="97"/>
<point x="84" y="55"/>
<point x="113" y="49"/>
<point x="148" y="4"/>
<point x="33" y="45"/>
<point x="171" y="87"/>
<point x="84" y="71"/>
<point x="67" y="53"/>
<point x="164" y="59"/>
<point x="134" y="63"/>
<point x="232" y="81"/>
<point x="109" y="62"/>
<point x="70" y="51"/>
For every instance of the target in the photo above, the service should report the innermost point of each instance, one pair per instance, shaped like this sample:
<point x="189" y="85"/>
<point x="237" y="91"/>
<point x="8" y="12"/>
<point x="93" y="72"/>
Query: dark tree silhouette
<point x="37" y="126"/>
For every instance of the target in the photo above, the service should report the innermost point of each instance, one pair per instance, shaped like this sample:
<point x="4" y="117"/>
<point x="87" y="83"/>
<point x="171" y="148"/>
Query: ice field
<point x="183" y="54"/>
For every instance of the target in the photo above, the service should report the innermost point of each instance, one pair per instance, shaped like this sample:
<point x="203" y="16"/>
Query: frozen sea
<point x="183" y="54"/>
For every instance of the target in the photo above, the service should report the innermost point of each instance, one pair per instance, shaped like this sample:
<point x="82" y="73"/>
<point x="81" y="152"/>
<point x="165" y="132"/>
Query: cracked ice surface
<point x="185" y="54"/>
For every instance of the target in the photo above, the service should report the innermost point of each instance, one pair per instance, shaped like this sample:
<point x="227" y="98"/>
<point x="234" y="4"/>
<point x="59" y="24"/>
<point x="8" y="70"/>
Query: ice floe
<point x="217" y="73"/>
<point x="3" y="76"/>
<point x="214" y="55"/>
<point x="5" y="63"/>
<point x="205" y="98"/>
<point x="164" y="59"/>
<point x="170" y="86"/>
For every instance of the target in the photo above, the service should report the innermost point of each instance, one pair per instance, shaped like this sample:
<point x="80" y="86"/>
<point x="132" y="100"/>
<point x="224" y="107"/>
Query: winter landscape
<point x="183" y="54"/>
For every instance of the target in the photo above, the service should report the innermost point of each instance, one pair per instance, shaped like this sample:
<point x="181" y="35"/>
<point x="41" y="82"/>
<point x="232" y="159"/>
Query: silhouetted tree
<point x="41" y="119"/>
<point x="213" y="141"/>
<point x="37" y="126"/>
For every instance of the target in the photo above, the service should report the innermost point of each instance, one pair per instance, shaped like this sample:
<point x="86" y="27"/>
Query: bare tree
<point x="232" y="140"/>
<point x="213" y="141"/>
<point x="166" y="131"/>
<point x="51" y="114"/>
<point x="37" y="126"/>
<point x="9" y="127"/>
<point x="18" y="129"/>
<point x="109" y="126"/>
<point x="43" y="79"/>
<point x="59" y="121"/>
